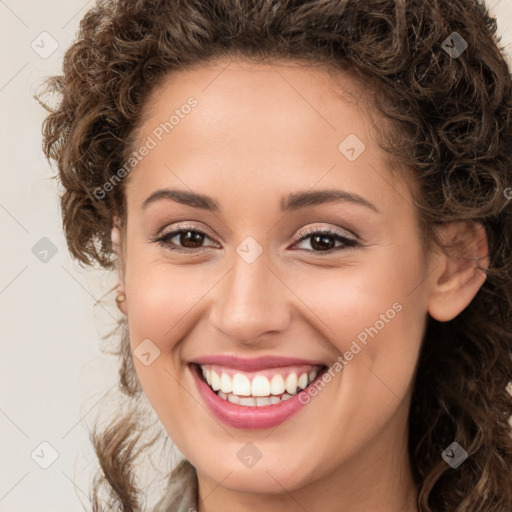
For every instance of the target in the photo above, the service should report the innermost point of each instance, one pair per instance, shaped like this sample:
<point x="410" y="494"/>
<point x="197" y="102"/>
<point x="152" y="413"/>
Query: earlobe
<point x="117" y="248"/>
<point x="460" y="272"/>
<point x="121" y="302"/>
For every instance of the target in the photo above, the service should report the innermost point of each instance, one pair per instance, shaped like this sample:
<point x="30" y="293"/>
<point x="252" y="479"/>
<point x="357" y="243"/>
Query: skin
<point x="258" y="133"/>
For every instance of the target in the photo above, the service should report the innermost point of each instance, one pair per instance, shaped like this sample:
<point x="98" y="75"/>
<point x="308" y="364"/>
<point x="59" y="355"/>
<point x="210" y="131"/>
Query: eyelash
<point x="348" y="243"/>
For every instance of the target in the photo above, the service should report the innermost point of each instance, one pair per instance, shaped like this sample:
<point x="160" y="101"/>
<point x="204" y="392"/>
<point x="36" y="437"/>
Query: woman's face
<point x="260" y="146"/>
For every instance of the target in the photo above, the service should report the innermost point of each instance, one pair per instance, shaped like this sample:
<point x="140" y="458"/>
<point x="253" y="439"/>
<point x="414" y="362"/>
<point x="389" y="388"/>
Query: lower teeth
<point x="251" y="401"/>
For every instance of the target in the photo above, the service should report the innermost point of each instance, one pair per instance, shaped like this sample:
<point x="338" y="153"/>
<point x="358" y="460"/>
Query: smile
<point x="258" y="388"/>
<point x="254" y="393"/>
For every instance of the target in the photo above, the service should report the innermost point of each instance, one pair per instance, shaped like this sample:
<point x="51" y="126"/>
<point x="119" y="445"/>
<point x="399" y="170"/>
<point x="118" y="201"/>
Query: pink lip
<point x="246" y="417"/>
<point x="254" y="363"/>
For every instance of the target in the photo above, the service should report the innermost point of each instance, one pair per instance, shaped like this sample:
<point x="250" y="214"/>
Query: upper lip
<point x="253" y="363"/>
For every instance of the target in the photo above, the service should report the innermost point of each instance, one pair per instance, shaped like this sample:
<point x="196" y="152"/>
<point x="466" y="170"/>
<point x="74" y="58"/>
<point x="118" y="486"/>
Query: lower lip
<point x="246" y="417"/>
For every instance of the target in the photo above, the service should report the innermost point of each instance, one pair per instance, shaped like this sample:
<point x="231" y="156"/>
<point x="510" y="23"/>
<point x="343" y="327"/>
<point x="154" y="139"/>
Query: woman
<point x="306" y="204"/>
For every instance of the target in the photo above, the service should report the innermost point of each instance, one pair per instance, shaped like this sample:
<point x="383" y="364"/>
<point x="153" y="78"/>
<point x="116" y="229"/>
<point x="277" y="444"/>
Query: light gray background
<point x="54" y="379"/>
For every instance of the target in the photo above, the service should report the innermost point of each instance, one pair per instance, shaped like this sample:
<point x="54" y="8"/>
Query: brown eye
<point x="183" y="240"/>
<point x="324" y="241"/>
<point x="191" y="239"/>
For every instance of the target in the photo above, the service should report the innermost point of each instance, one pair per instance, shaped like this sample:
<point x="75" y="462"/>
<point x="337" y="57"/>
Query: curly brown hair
<point x="450" y="122"/>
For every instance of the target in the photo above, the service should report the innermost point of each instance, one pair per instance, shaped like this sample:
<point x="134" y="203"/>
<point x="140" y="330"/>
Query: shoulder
<point x="181" y="493"/>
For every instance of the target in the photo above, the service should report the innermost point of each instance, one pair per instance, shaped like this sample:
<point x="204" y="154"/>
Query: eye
<point x="323" y="240"/>
<point x="190" y="237"/>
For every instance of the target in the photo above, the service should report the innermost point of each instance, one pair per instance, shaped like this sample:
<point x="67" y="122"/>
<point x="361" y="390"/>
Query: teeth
<point x="260" y="386"/>
<point x="261" y="391"/>
<point x="303" y="381"/>
<point x="262" y="400"/>
<point x="215" y="381"/>
<point x="241" y="385"/>
<point x="225" y="383"/>
<point x="277" y="385"/>
<point x="252" y="401"/>
<point x="291" y="383"/>
<point x="233" y="399"/>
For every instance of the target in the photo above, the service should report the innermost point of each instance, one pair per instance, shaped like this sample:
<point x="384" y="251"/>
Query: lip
<point x="254" y="364"/>
<point x="247" y="417"/>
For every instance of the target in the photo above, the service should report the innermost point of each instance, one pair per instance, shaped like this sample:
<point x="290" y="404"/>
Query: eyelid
<point x="177" y="230"/>
<point x="182" y="227"/>
<point x="347" y="238"/>
<point x="344" y="233"/>
<point x="301" y="233"/>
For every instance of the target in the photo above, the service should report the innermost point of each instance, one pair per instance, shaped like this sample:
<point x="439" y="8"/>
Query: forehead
<point x="254" y="125"/>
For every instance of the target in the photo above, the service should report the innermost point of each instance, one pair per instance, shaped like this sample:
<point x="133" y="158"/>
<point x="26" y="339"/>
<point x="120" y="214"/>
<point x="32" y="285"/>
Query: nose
<point x="250" y="302"/>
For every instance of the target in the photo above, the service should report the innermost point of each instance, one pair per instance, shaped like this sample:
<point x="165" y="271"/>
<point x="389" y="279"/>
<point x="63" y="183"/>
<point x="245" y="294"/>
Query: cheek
<point x="353" y="297"/>
<point x="159" y="299"/>
<point x="160" y="296"/>
<point x="373" y="314"/>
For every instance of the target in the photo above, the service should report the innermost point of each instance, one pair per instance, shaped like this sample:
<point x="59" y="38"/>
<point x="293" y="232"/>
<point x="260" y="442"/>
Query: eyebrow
<point x="302" y="199"/>
<point x="293" y="202"/>
<point x="182" y="196"/>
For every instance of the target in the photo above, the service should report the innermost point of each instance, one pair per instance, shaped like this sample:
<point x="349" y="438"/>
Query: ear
<point x="459" y="273"/>
<point x="117" y="247"/>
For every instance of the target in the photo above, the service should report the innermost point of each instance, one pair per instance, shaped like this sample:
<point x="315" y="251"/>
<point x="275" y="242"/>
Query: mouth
<point x="258" y="389"/>
<point x="255" y="399"/>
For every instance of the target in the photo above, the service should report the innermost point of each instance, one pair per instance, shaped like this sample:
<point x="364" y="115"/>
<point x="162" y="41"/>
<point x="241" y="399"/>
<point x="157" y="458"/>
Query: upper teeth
<point x="257" y="384"/>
